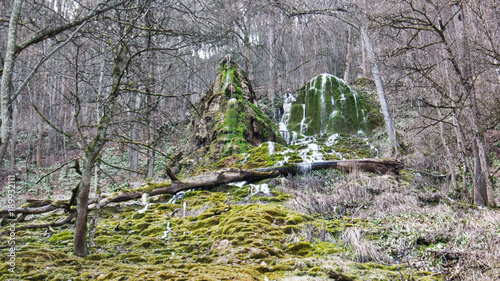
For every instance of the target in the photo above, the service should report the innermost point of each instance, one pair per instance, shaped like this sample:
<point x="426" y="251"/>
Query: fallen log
<point x="378" y="166"/>
<point x="226" y="176"/>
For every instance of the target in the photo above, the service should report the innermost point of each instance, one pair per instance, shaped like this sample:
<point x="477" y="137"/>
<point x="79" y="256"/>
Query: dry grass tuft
<point x="364" y="250"/>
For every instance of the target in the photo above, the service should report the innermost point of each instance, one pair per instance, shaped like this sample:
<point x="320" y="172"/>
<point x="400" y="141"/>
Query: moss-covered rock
<point x="228" y="122"/>
<point x="327" y="105"/>
<point x="302" y="248"/>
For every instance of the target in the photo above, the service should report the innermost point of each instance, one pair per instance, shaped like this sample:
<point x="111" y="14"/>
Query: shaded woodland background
<point x="139" y="68"/>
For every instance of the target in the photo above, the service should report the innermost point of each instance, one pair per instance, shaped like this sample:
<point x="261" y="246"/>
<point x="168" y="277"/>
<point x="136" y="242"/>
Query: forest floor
<point x="323" y="226"/>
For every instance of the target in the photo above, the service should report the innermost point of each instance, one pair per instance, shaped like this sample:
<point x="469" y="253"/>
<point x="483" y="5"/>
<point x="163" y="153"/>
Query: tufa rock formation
<point x="228" y="122"/>
<point x="327" y="105"/>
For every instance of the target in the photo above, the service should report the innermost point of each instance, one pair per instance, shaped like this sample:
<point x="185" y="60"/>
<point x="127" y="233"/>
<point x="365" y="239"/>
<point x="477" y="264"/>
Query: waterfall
<point x="270" y="146"/>
<point x="285" y="118"/>
<point x="303" y="125"/>
<point x="323" y="122"/>
<point x="228" y="74"/>
<point x="305" y="168"/>
<point x="331" y="112"/>
<point x="294" y="137"/>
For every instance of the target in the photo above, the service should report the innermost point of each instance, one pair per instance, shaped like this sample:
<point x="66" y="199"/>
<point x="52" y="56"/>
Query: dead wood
<point x="379" y="166"/>
<point x="45" y="225"/>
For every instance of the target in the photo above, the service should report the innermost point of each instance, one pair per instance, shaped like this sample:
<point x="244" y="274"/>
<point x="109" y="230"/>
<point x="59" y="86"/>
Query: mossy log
<point x="380" y="166"/>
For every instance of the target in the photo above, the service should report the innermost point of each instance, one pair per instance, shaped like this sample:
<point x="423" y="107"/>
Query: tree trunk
<point x="133" y="148"/>
<point x="6" y="84"/>
<point x="348" y="55"/>
<point x="449" y="155"/>
<point x="39" y="142"/>
<point x="247" y="52"/>
<point x="465" y="73"/>
<point x="150" y="88"/>
<point x="479" y="194"/>
<point x="271" y="91"/>
<point x="389" y="123"/>
<point x="151" y="163"/>
<point x="13" y="143"/>
<point x="91" y="153"/>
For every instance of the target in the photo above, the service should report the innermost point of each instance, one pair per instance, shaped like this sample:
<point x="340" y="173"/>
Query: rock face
<point x="228" y="121"/>
<point x="327" y="105"/>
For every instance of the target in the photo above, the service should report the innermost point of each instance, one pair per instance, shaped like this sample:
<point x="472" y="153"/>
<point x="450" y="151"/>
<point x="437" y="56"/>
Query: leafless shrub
<point x="335" y="194"/>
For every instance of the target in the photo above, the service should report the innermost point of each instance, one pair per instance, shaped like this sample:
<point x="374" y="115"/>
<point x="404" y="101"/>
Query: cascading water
<point x="285" y="118"/>
<point x="228" y="81"/>
<point x="270" y="147"/>
<point x="328" y="105"/>
<point x="323" y="121"/>
<point x="303" y="125"/>
<point x="318" y="120"/>
<point x="308" y="125"/>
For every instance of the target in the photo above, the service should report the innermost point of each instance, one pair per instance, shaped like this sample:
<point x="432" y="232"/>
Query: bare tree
<point x="436" y="33"/>
<point x="6" y="84"/>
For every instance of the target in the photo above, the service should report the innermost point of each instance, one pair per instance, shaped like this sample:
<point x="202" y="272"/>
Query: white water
<point x="256" y="188"/>
<point x="294" y="137"/>
<point x="167" y="231"/>
<point x="305" y="168"/>
<point x="270" y="146"/>
<point x="311" y="153"/>
<point x="285" y="118"/>
<point x="308" y="147"/>
<point x="178" y="196"/>
<point x="303" y="125"/>
<point x="228" y="74"/>
<point x="144" y="201"/>
<point x="323" y="122"/>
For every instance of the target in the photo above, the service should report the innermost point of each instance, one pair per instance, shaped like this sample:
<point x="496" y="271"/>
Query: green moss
<point x="141" y="226"/>
<point x="259" y="157"/>
<point x="291" y="229"/>
<point x="327" y="248"/>
<point x="302" y="248"/>
<point x="406" y="175"/>
<point x="294" y="219"/>
<point x="96" y="257"/>
<point x="153" y="231"/>
<point x="248" y="241"/>
<point x="63" y="236"/>
<point x="109" y="239"/>
<point x="148" y="243"/>
<point x="42" y="255"/>
<point x="132" y="258"/>
<point x="294" y="158"/>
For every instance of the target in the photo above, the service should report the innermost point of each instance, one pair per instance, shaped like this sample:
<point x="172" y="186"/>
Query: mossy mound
<point x="230" y="233"/>
<point x="228" y="122"/>
<point x="327" y="105"/>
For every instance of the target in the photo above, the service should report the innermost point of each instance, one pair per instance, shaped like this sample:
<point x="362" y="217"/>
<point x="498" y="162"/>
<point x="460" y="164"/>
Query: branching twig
<point x="53" y="171"/>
